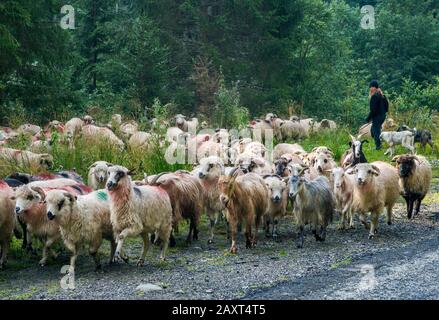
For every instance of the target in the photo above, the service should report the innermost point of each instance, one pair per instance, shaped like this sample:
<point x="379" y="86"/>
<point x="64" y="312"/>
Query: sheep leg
<point x="389" y="215"/>
<point x="374" y="222"/>
<point x="47" y="245"/>
<point x="411" y="202"/>
<point x="93" y="250"/>
<point x="364" y="221"/>
<point x="112" y="250"/>
<point x="233" y="231"/>
<point x="3" y="252"/>
<point x="267" y="227"/>
<point x="164" y="235"/>
<point x="75" y="251"/>
<point x="145" y="248"/>
<point x="322" y="233"/>
<point x="301" y="236"/>
<point x="351" y="218"/>
<point x="418" y="205"/>
<point x="248" y="234"/>
<point x="133" y="231"/>
<point x="255" y="236"/>
<point x="211" y="226"/>
<point x="274" y="232"/>
<point x="191" y="228"/>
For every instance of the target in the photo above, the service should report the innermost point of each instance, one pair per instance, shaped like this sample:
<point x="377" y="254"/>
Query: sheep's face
<point x="322" y="163"/>
<point x="276" y="188"/>
<point x="26" y="197"/>
<point x="58" y="203"/>
<point x="180" y="120"/>
<point x="295" y="186"/>
<point x="46" y="161"/>
<point x="338" y="175"/>
<point x="281" y="166"/>
<point x="364" y="173"/>
<point x="88" y="120"/>
<point x="405" y="165"/>
<point x="115" y="175"/>
<point x="224" y="185"/>
<point x="100" y="171"/>
<point x="210" y="167"/>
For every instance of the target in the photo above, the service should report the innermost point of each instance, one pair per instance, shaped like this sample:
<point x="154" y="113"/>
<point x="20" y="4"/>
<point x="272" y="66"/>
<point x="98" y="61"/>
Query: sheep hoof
<point x="42" y="263"/>
<point x="371" y="236"/>
<point x="140" y="262"/>
<point x="389" y="223"/>
<point x="233" y="250"/>
<point x="210" y="241"/>
<point x="117" y="258"/>
<point x="98" y="268"/>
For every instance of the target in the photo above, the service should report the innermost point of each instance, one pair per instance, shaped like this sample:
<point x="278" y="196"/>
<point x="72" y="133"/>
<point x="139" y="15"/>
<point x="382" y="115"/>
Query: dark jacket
<point x="376" y="109"/>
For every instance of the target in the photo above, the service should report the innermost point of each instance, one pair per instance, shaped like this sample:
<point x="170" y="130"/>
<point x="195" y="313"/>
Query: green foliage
<point x="228" y="112"/>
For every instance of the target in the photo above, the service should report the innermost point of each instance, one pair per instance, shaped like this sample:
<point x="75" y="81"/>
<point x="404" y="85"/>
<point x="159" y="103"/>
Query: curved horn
<point x="395" y="158"/>
<point x="40" y="192"/>
<point x="232" y="172"/>
<point x="154" y="180"/>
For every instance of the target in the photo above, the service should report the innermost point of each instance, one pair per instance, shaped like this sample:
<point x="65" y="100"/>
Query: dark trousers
<point x="375" y="131"/>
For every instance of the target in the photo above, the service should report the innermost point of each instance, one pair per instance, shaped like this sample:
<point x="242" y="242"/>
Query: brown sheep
<point x="414" y="180"/>
<point x="187" y="199"/>
<point x="246" y="199"/>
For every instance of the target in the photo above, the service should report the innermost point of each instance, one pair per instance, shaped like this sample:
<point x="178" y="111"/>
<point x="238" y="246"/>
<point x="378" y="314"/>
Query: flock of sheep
<point x="234" y="178"/>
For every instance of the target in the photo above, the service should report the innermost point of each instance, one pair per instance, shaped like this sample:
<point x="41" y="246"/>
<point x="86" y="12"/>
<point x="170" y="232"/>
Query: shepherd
<point x="379" y="106"/>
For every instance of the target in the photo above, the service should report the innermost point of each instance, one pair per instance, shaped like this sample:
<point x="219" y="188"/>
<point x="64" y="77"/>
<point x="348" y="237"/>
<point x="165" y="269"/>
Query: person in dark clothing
<point x="377" y="112"/>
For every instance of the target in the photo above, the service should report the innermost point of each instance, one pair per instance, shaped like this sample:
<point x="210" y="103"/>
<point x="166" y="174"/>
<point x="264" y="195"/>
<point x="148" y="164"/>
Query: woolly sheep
<point x="83" y="219"/>
<point x="277" y="202"/>
<point x="99" y="135"/>
<point x="414" y="180"/>
<point x="376" y="186"/>
<point x="344" y="195"/>
<point x="209" y="172"/>
<point x="98" y="174"/>
<point x="137" y="211"/>
<point x="7" y="220"/>
<point x="313" y="203"/>
<point x="245" y="198"/>
<point x="187" y="199"/>
<point x="283" y="148"/>
<point x="27" y="159"/>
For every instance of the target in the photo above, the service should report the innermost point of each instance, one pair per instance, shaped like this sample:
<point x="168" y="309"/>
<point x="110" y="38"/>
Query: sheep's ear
<point x="350" y="143"/>
<point x="376" y="171"/>
<point x="92" y="166"/>
<point x="70" y="196"/>
<point x="351" y="171"/>
<point x="395" y="159"/>
<point x="286" y="180"/>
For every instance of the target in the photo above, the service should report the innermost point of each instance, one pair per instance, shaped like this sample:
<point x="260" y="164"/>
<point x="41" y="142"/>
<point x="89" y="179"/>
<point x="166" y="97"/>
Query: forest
<point x="225" y="61"/>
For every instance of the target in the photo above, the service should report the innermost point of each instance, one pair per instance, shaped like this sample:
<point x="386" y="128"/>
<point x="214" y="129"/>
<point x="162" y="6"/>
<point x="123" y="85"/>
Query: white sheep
<point x="185" y="125"/>
<point x="209" y="171"/>
<point x="376" y="186"/>
<point x="26" y="159"/>
<point x="101" y="135"/>
<point x="7" y="220"/>
<point x="98" y="174"/>
<point x="83" y="219"/>
<point x="248" y="162"/>
<point x="140" y="140"/>
<point x="277" y="202"/>
<point x="283" y="148"/>
<point x="344" y="196"/>
<point x="142" y="210"/>
<point x="292" y="130"/>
